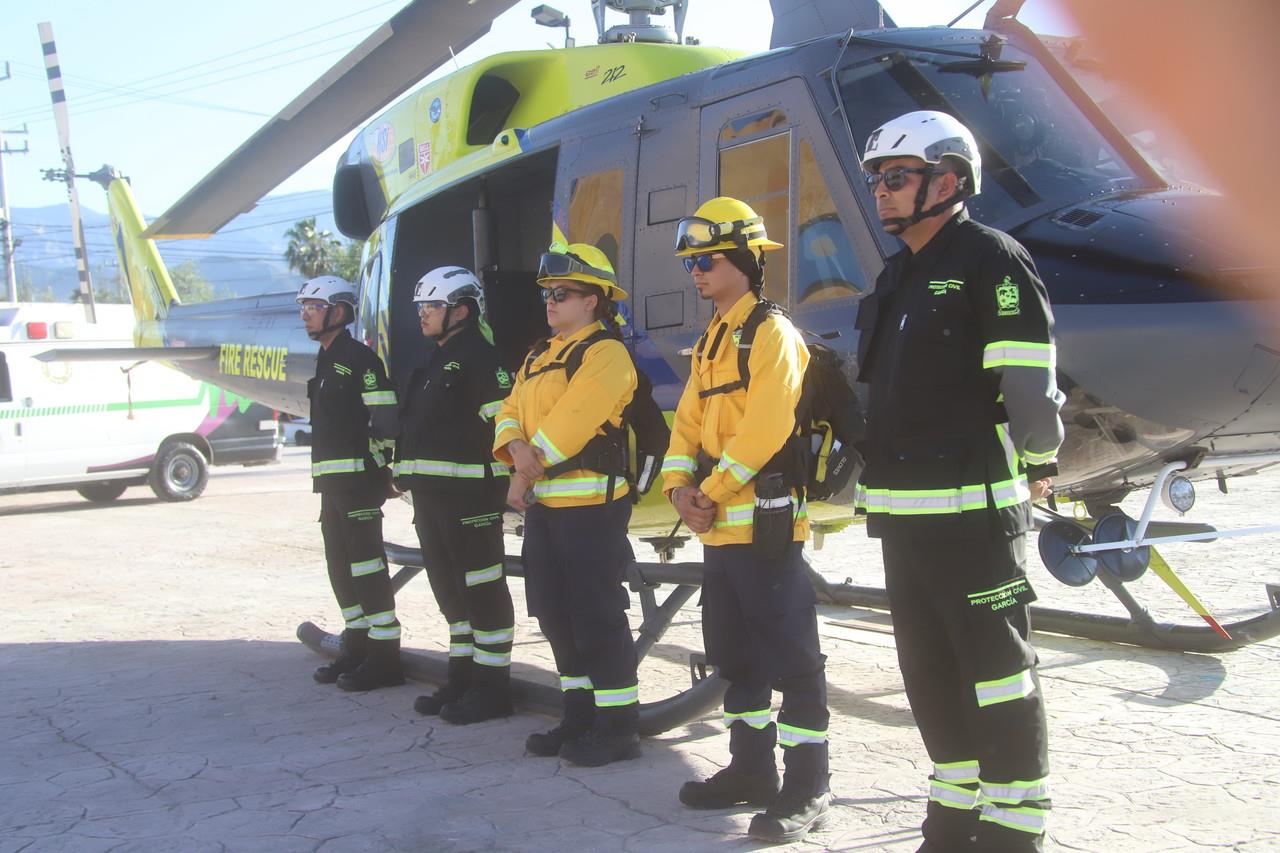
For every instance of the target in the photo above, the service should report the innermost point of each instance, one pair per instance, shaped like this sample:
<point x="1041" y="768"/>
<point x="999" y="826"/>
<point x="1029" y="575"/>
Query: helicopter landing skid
<point x="701" y="697"/>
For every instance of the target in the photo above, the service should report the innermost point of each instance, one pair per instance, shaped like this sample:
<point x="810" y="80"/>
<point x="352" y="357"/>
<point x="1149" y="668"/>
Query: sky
<point x="164" y="90"/>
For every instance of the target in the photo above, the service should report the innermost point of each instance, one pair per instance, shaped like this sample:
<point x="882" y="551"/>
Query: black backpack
<point x="610" y="454"/>
<point x="820" y="458"/>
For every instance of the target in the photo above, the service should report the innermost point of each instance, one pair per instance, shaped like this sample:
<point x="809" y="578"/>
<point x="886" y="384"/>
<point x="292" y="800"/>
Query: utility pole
<point x="6" y="225"/>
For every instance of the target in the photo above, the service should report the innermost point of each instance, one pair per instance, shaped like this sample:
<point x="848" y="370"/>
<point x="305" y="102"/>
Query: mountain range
<point x="245" y="258"/>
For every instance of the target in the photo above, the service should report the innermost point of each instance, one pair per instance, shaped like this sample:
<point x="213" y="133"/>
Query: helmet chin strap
<point x="897" y="224"/>
<point x="328" y="327"/>
<point x="445" y="327"/>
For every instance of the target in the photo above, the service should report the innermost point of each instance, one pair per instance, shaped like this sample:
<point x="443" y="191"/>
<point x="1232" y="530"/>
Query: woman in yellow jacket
<point x="560" y="429"/>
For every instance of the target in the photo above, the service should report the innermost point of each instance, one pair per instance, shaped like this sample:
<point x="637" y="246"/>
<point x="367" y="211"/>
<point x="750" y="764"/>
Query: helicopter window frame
<point x="743" y="184"/>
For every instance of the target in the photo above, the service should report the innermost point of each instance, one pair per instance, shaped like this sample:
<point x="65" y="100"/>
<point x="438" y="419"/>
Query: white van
<point x="101" y="426"/>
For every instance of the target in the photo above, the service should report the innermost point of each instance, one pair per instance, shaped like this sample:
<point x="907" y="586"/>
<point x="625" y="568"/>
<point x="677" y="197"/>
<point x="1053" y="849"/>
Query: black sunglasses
<point x="895" y="178"/>
<point x="560" y="294"/>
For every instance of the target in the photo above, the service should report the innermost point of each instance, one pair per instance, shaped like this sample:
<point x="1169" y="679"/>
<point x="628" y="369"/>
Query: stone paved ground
<point x="154" y="699"/>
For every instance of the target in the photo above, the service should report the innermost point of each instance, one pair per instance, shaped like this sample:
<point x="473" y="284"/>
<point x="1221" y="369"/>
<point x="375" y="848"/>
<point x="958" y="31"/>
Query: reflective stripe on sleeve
<point x="554" y="456"/>
<point x="509" y="424"/>
<point x="1008" y="689"/>
<point x="740" y="472"/>
<point x="490" y="410"/>
<point x="1039" y="458"/>
<point x="1019" y="354"/>
<point x="485" y="575"/>
<point x="379" y="398"/>
<point x="679" y="463"/>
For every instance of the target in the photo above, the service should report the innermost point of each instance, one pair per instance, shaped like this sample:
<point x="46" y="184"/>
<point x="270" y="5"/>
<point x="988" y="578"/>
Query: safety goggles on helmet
<point x="561" y="293"/>
<point x="895" y="178"/>
<point x="694" y="232"/>
<point x="565" y="265"/>
<point x="702" y="262"/>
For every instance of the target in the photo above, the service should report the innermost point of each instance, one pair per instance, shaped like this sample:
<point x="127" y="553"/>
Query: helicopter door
<point x="780" y="161"/>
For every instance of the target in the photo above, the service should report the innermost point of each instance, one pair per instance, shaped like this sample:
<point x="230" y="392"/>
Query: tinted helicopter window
<point x="595" y="212"/>
<point x="1036" y="145"/>
<point x="759" y="173"/>
<point x="749" y="127"/>
<point x="369" y="288"/>
<point x="826" y="266"/>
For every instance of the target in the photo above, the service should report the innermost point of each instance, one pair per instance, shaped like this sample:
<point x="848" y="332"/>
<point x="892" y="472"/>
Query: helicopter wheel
<point x="1124" y="565"/>
<point x="1056" y="541"/>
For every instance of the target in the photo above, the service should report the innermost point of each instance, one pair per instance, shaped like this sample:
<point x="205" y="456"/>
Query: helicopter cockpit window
<point x="759" y="173"/>
<point x="750" y="127"/>
<point x="826" y="266"/>
<point x="1036" y="144"/>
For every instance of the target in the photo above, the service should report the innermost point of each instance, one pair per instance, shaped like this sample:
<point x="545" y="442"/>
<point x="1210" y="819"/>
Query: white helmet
<point x="450" y="285"/>
<point x="330" y="288"/>
<point x="929" y="135"/>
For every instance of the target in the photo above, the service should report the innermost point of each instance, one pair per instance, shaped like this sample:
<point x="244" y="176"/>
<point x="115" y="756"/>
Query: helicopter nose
<point x="1155" y="321"/>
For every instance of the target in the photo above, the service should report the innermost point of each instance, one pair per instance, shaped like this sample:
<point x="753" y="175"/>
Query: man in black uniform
<point x="445" y="458"/>
<point x="353" y="427"/>
<point x="957" y="347"/>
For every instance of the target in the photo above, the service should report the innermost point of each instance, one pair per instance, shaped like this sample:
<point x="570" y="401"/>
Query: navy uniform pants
<point x="462" y="550"/>
<point x="575" y="559"/>
<point x="760" y="627"/>
<point x="351" y="524"/>
<point x="960" y="621"/>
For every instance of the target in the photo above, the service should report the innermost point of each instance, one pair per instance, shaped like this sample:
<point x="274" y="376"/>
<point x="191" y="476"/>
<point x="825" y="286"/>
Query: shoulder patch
<point x="370" y="379"/>
<point x="1008" y="299"/>
<point x="504" y="378"/>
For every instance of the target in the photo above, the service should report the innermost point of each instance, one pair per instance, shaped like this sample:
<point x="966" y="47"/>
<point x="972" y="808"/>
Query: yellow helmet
<point x="580" y="262"/>
<point x="722" y="223"/>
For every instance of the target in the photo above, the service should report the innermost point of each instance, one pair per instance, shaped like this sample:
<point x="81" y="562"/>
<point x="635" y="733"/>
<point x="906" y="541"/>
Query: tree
<point x="349" y="262"/>
<point x="310" y="251"/>
<point x="190" y="284"/>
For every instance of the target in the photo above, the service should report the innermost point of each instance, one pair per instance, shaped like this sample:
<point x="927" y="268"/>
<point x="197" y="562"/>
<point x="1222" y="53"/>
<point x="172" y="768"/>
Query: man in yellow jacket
<point x="733" y="473"/>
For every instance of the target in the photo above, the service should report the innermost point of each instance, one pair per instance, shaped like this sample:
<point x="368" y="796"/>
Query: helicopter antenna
<point x="59" y="97"/>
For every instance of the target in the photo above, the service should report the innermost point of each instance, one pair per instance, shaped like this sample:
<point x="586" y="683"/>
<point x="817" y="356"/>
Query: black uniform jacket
<point x="446" y="440"/>
<point x="957" y="346"/>
<point x="353" y="417"/>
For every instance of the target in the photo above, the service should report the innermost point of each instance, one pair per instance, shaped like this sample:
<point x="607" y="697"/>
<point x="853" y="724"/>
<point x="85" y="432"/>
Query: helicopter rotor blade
<point x="57" y="94"/>
<point x="414" y="42"/>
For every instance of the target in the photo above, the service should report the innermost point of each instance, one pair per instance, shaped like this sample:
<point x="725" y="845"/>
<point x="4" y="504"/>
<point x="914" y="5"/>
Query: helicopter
<point x="1168" y="349"/>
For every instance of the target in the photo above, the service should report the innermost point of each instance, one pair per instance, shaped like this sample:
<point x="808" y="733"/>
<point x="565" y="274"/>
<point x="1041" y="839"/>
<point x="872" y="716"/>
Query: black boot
<point x="579" y="712"/>
<point x="455" y="684"/>
<point x="804" y="800"/>
<point x="353" y="645"/>
<point x="381" y="668"/>
<point x="488" y="698"/>
<point x="751" y="777"/>
<point x="614" y="736"/>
